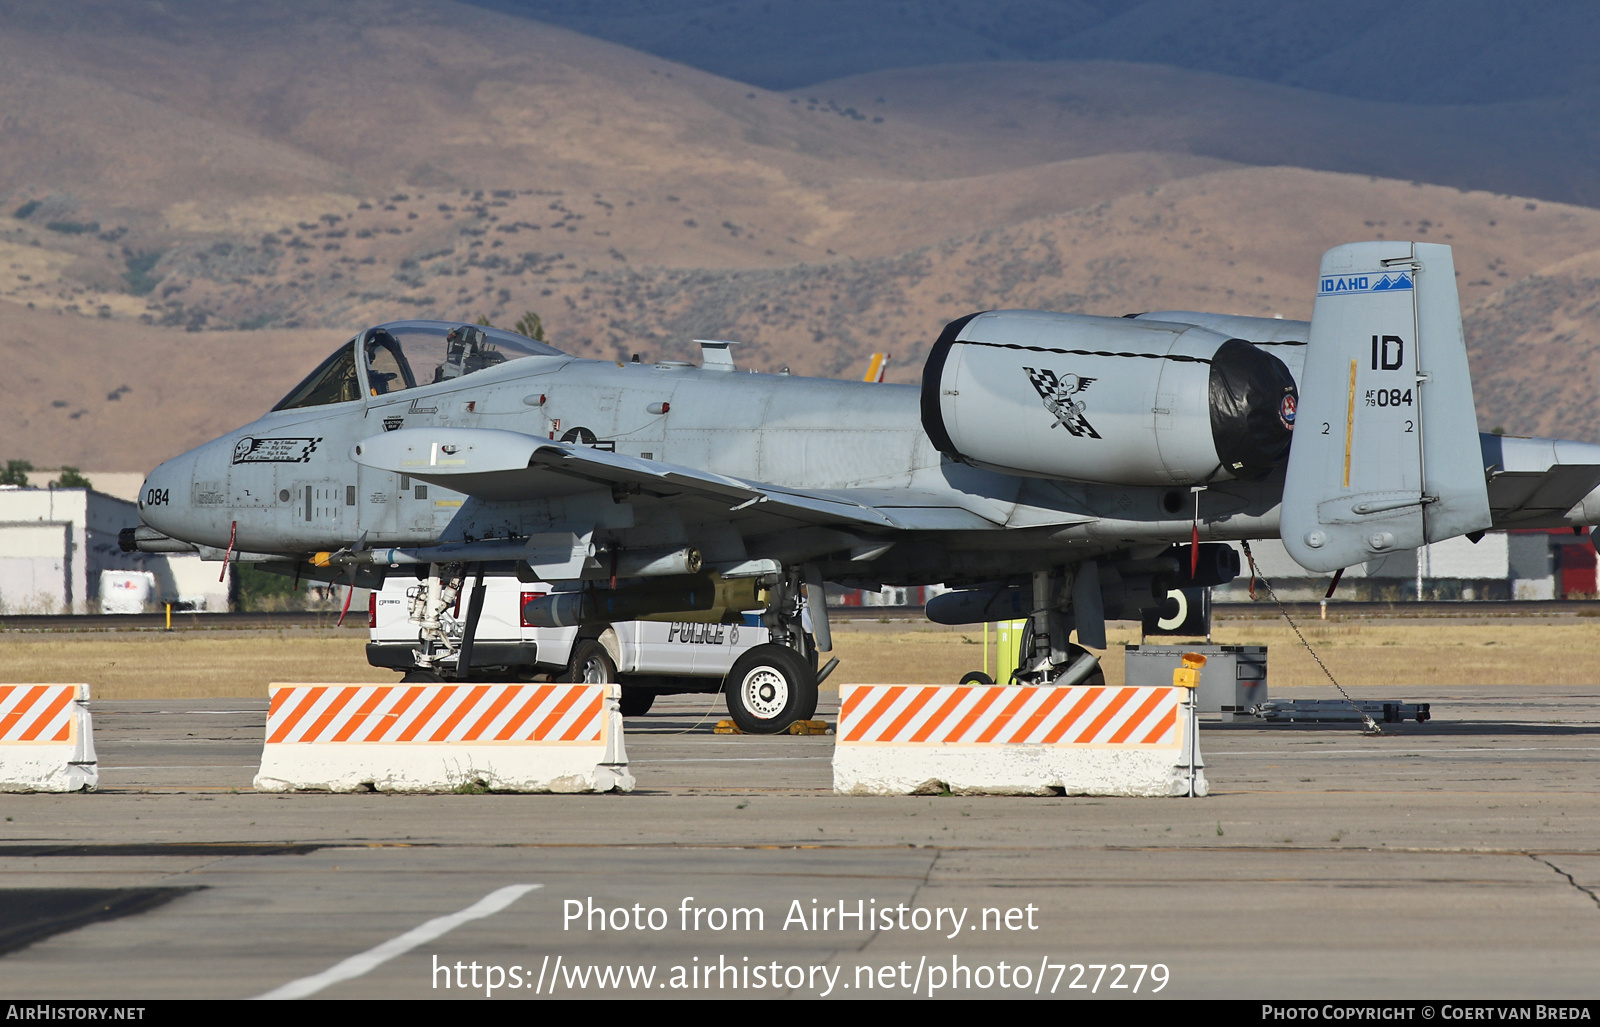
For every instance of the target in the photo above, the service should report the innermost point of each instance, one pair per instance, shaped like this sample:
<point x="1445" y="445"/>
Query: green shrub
<point x="15" y="473"/>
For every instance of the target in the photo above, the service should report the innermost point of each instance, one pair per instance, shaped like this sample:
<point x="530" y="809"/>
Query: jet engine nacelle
<point x="1119" y="401"/>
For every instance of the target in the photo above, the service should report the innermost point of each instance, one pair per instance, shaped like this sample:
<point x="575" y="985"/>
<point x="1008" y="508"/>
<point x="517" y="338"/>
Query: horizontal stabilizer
<point x="1539" y="499"/>
<point x="1541" y="483"/>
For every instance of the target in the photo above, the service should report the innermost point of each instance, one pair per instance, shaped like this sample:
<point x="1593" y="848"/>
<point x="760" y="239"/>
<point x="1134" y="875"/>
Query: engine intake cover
<point x="1105" y="399"/>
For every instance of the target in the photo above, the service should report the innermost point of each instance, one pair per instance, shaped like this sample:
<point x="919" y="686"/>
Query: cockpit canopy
<point x="404" y="355"/>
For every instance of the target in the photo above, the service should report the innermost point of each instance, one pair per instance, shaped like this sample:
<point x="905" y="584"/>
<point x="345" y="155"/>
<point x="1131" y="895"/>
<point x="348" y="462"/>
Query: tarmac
<point x="1456" y="859"/>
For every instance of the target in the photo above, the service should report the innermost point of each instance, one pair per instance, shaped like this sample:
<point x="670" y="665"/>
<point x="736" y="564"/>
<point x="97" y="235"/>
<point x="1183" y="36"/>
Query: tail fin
<point x="1385" y="454"/>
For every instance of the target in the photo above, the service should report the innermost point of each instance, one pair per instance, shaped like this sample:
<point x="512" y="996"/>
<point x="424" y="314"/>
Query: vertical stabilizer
<point x="1385" y="453"/>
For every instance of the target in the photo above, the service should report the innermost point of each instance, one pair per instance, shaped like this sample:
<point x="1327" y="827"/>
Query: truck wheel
<point x="591" y="664"/>
<point x="769" y="688"/>
<point x="636" y="702"/>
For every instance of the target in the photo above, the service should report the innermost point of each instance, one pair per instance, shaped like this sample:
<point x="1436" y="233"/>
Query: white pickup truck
<point x="648" y="658"/>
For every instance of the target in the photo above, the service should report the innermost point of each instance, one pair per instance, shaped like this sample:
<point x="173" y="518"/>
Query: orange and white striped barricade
<point x="1010" y="740"/>
<point x="46" y="739"/>
<point x="442" y="738"/>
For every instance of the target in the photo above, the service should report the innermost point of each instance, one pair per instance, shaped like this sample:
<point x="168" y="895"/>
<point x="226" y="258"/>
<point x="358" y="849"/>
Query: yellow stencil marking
<point x="1349" y="423"/>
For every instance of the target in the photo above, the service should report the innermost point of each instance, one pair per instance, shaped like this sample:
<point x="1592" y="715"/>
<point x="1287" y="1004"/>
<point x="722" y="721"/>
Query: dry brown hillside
<point x="118" y="396"/>
<point x="1243" y="241"/>
<point x="1536" y="352"/>
<point x="199" y="200"/>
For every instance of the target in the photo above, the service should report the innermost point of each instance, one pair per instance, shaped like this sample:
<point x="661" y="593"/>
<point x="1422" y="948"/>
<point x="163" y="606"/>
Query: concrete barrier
<point x="46" y="739"/>
<point x="995" y="739"/>
<point x="442" y="738"/>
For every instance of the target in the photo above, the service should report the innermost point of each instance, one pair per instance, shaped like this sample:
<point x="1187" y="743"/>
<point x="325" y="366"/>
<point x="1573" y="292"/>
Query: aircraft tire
<point x="636" y="702"/>
<point x="976" y="677"/>
<point x="590" y="664"/>
<point x="1096" y="679"/>
<point x="420" y="677"/>
<point x="769" y="688"/>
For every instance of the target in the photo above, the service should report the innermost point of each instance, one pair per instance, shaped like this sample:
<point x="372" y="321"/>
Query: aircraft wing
<point x="506" y="466"/>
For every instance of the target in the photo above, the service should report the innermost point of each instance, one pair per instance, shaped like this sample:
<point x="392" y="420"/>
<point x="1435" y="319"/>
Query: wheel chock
<point x="799" y="727"/>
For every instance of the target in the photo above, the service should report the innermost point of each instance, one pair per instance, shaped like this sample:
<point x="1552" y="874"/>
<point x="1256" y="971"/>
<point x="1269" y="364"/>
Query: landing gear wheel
<point x="636" y="702"/>
<point x="1097" y="677"/>
<point x="976" y="677"/>
<point x="420" y="677"/>
<point x="769" y="688"/>
<point x="590" y="664"/>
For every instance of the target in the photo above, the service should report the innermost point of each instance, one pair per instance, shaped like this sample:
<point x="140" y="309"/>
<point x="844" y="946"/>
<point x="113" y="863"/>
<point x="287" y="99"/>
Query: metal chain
<point x="1372" y="727"/>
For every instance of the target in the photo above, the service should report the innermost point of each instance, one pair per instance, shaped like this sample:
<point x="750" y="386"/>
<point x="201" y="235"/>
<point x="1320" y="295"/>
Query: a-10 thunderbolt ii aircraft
<point x="1061" y="467"/>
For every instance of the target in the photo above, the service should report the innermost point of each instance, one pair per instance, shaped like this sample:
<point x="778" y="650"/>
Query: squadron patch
<point x="274" y="451"/>
<point x="1057" y="393"/>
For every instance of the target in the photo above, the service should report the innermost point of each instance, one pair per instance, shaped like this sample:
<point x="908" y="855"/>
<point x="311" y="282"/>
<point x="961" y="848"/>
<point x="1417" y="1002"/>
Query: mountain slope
<point x="1237" y="241"/>
<point x="1025" y="113"/>
<point x="1447" y="51"/>
<point x="200" y="200"/>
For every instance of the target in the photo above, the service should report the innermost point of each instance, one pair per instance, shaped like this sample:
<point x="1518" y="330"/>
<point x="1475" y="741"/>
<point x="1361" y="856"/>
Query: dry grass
<point x="1384" y="654"/>
<point x="1375" y="655"/>
<point x="187" y="665"/>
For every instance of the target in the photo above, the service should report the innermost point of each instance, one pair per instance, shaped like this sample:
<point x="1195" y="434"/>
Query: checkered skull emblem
<point x="1057" y="394"/>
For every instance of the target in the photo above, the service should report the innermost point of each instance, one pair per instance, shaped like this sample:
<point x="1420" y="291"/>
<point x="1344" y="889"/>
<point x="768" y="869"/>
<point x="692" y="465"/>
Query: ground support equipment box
<point x="1233" y="680"/>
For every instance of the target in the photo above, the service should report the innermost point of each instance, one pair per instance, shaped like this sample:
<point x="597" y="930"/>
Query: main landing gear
<point x="775" y="684"/>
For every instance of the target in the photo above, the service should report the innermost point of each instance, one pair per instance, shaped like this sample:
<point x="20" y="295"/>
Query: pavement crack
<point x="927" y="874"/>
<point x="1570" y="880"/>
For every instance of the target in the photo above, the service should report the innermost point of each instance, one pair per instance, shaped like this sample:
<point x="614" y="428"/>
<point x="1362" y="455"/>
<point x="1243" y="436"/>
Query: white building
<point x="55" y="542"/>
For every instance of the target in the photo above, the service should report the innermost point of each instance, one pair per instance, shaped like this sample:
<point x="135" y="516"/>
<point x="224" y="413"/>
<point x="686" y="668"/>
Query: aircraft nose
<point x="165" y="495"/>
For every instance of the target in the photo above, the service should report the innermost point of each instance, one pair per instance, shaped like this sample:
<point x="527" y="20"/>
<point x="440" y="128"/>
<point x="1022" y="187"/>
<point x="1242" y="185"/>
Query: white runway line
<point x="361" y="963"/>
<point x="734" y="759"/>
<point x="1411" y="752"/>
<point x="183" y="766"/>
